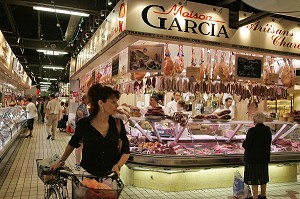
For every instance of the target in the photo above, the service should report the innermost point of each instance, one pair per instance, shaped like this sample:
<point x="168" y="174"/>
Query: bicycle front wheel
<point x="53" y="193"/>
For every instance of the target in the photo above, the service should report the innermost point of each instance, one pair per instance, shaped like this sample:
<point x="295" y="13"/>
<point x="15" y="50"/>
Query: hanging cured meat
<point x="193" y="61"/>
<point x="179" y="62"/>
<point x="201" y="65"/>
<point x="139" y="75"/>
<point x="287" y="74"/>
<point x="208" y="65"/>
<point x="266" y="71"/>
<point x="215" y="66"/>
<point x="224" y="69"/>
<point x="168" y="63"/>
<point x="231" y="67"/>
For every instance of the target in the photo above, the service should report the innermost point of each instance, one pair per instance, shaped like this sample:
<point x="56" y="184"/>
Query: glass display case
<point x="280" y="107"/>
<point x="12" y="120"/>
<point x="201" y="143"/>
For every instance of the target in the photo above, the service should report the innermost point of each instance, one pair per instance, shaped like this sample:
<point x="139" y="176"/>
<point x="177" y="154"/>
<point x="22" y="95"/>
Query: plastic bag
<point x="240" y="189"/>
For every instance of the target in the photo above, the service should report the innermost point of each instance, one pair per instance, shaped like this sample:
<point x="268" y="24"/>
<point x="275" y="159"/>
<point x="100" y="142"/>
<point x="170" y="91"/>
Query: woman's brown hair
<point x="98" y="92"/>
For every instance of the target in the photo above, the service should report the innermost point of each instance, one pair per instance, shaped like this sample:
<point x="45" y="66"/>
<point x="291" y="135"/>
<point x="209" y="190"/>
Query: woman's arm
<point x="69" y="149"/>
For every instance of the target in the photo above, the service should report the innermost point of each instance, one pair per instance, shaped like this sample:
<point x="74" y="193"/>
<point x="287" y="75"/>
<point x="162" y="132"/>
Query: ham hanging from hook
<point x="168" y="63"/>
<point x="201" y="65"/>
<point x="179" y="62"/>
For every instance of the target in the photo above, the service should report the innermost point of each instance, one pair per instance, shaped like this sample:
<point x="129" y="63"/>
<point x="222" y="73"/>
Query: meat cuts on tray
<point x="225" y="112"/>
<point x="157" y="111"/>
<point x="211" y="117"/>
<point x="199" y="117"/>
<point x="225" y="117"/>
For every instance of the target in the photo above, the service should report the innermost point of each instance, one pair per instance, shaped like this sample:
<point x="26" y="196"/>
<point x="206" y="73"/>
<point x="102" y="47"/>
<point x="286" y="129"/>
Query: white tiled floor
<point x="19" y="178"/>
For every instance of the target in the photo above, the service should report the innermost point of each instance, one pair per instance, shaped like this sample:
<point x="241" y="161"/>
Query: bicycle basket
<point x="43" y="168"/>
<point x="107" y="189"/>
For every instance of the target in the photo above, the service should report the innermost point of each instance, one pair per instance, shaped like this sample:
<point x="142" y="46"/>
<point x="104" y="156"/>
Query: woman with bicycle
<point x="106" y="147"/>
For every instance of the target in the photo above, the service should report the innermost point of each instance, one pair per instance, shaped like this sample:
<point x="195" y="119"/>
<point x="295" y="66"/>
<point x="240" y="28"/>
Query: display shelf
<point x="280" y="106"/>
<point x="12" y="120"/>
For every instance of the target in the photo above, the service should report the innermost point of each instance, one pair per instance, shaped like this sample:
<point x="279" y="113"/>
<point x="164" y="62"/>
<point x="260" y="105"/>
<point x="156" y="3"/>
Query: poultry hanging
<point x="224" y="69"/>
<point x="168" y="63"/>
<point x="201" y="65"/>
<point x="215" y="73"/>
<point x="179" y="62"/>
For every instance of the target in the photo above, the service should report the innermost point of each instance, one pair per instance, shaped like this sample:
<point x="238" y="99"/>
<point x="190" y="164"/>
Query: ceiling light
<point x="45" y="83"/>
<point x="47" y="9"/>
<point x="49" y="79"/>
<point x="53" y="67"/>
<point x="52" y="52"/>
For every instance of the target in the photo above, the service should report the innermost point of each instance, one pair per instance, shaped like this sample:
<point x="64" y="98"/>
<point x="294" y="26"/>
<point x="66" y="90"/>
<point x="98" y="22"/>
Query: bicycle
<point x="56" y="182"/>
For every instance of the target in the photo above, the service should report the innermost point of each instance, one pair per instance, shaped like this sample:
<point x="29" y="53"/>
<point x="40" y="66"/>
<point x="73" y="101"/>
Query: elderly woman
<point x="257" y="147"/>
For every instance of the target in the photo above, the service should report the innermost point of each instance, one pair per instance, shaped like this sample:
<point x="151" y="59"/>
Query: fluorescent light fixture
<point x="61" y="11"/>
<point x="49" y="83"/>
<point x="52" y="52"/>
<point x="53" y="67"/>
<point x="54" y="79"/>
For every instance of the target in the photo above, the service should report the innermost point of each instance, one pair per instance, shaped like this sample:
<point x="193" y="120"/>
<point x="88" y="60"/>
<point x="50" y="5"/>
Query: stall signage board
<point x="115" y="66"/>
<point x="145" y="58"/>
<point x="272" y="78"/>
<point x="248" y="67"/>
<point x="193" y="72"/>
<point x="205" y="24"/>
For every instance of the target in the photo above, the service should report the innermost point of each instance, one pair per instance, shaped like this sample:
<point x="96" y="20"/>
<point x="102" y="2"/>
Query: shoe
<point x="52" y="138"/>
<point x="49" y="136"/>
<point x="77" y="167"/>
<point x="260" y="197"/>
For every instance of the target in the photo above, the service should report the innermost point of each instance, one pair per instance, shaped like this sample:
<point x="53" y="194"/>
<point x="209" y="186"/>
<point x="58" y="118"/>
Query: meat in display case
<point x="12" y="120"/>
<point x="201" y="143"/>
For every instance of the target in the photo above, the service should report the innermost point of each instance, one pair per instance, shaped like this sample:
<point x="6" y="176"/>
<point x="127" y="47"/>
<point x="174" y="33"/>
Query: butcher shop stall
<point x="147" y="48"/>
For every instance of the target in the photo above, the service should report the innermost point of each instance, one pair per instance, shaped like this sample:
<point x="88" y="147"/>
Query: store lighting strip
<point x="53" y="67"/>
<point x="52" y="52"/>
<point x="61" y="11"/>
<point x="54" y="79"/>
<point x="49" y="83"/>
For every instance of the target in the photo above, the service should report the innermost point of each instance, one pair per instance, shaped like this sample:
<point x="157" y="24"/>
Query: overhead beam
<point x="35" y="44"/>
<point x="87" y="6"/>
<point x="225" y="3"/>
<point x="72" y="25"/>
<point x="11" y="19"/>
<point x="255" y="17"/>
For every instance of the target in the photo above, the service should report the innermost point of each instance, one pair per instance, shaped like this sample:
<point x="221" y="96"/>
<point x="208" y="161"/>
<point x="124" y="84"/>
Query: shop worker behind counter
<point x="53" y="111"/>
<point x="257" y="147"/>
<point x="100" y="134"/>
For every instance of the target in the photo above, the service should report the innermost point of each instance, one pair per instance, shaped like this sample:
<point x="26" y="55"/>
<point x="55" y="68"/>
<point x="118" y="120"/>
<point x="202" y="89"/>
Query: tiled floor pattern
<point x="19" y="179"/>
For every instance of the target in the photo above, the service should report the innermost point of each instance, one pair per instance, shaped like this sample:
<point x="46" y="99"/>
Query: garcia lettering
<point x="204" y="28"/>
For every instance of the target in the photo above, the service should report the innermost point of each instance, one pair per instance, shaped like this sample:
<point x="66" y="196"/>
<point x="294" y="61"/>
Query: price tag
<point x="193" y="72"/>
<point x="272" y="78"/>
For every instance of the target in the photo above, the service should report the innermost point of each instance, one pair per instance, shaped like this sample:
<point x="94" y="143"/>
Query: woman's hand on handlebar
<point x="55" y="166"/>
<point x="116" y="169"/>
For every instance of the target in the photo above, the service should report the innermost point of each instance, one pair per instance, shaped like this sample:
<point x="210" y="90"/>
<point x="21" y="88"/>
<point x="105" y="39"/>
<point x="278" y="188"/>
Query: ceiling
<point x="27" y="30"/>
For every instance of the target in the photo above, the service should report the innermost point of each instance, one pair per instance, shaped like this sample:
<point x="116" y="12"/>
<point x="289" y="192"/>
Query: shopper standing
<point x="81" y="112"/>
<point x="257" y="147"/>
<point x="102" y="135"/>
<point x="31" y="113"/>
<point x="53" y="111"/>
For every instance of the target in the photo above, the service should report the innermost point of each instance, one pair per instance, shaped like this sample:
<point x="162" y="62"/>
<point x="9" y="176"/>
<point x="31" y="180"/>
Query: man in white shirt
<point x="227" y="106"/>
<point x="53" y="111"/>
<point x="172" y="105"/>
<point x="31" y="113"/>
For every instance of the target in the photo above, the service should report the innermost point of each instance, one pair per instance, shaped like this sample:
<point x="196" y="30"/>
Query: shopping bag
<point x="240" y="189"/>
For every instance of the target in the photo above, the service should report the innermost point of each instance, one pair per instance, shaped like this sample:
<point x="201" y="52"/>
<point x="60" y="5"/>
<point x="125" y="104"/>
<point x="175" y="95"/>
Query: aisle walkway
<point x="19" y="179"/>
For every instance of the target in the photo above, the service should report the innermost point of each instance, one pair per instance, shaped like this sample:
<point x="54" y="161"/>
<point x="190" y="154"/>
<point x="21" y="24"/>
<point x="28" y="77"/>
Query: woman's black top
<point x="99" y="154"/>
<point x="257" y="145"/>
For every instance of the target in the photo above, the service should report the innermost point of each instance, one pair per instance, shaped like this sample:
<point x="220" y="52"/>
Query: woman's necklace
<point x="102" y="126"/>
